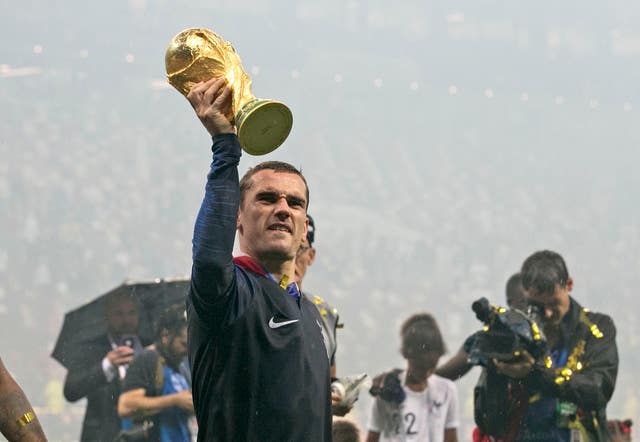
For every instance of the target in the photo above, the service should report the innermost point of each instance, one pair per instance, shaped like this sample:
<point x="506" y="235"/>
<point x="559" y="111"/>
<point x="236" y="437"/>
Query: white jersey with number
<point x="423" y="416"/>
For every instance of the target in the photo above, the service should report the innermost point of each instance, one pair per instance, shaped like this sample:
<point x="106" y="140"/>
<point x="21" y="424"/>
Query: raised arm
<point x="214" y="233"/>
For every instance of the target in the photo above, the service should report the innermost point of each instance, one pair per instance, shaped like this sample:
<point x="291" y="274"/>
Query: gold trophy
<point x="198" y="54"/>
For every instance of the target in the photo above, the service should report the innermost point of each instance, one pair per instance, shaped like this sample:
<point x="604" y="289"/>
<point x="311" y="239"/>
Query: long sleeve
<point x="83" y="380"/>
<point x="212" y="278"/>
<point x="592" y="386"/>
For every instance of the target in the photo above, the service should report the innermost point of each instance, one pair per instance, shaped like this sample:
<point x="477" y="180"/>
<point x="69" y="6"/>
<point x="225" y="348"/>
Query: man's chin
<point x="281" y="253"/>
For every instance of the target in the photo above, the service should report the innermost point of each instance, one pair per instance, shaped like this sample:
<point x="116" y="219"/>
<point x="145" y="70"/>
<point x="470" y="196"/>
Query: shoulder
<point x="441" y="386"/>
<point x="147" y="359"/>
<point x="599" y="324"/>
<point x="326" y="310"/>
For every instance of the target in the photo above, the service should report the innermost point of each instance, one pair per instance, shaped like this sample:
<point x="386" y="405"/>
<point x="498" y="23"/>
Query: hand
<point x="338" y="408"/>
<point x="378" y="382"/>
<point x="212" y="102"/>
<point x="518" y="369"/>
<point x="184" y="400"/>
<point x="120" y="355"/>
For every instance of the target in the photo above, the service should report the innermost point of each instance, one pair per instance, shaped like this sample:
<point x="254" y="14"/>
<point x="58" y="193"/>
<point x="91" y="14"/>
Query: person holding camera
<point x="415" y="404"/>
<point x="258" y="360"/>
<point x="458" y="365"/>
<point x="98" y="373"/>
<point x="156" y="388"/>
<point x="565" y="393"/>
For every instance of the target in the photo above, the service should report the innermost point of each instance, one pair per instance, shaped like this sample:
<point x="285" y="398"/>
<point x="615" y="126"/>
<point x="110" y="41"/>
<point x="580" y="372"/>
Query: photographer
<point x="568" y="390"/>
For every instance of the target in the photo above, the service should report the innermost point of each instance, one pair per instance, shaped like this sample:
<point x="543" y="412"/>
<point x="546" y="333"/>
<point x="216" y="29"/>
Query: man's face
<point x="272" y="220"/>
<point x="304" y="258"/>
<point x="174" y="347"/>
<point x="178" y="345"/>
<point x="122" y="318"/>
<point x="554" y="304"/>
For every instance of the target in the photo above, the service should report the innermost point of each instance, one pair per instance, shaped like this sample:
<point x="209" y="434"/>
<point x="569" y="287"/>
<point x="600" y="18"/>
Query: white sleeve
<point x="108" y="369"/>
<point x="375" y="422"/>
<point x="452" y="420"/>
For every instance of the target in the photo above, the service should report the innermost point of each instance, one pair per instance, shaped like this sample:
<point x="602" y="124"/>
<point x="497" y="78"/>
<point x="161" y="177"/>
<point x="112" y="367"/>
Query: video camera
<point x="507" y="333"/>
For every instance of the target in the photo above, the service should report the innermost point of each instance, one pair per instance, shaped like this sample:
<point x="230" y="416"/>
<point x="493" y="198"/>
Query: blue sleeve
<point x="213" y="281"/>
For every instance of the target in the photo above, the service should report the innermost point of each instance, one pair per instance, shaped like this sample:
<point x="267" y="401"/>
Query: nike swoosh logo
<point x="274" y="324"/>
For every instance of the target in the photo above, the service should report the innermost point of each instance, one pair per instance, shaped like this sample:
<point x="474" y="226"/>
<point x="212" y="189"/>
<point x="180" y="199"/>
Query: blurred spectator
<point x="330" y="320"/>
<point x="156" y="387"/>
<point x="345" y="430"/>
<point x="98" y="374"/>
<point x="414" y="402"/>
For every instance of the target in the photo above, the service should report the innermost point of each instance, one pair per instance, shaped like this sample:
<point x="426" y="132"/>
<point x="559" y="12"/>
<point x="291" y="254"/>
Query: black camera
<point x="506" y="335"/>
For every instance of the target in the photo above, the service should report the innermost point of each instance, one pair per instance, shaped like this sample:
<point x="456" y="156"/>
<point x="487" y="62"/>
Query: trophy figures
<point x="198" y="54"/>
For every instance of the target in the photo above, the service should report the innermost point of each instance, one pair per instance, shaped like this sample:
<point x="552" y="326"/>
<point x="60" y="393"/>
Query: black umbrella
<point x="87" y="322"/>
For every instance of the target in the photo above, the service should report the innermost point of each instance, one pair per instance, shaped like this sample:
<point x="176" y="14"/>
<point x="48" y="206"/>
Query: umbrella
<point x="87" y="323"/>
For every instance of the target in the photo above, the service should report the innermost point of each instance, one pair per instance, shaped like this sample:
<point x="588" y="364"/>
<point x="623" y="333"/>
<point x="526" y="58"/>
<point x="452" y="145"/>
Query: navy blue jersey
<point x="258" y="360"/>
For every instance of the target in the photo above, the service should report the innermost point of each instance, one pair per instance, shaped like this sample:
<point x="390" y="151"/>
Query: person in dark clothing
<point x="98" y="374"/>
<point x="259" y="364"/>
<point x="566" y="394"/>
<point x="330" y="319"/>
<point x="18" y="421"/>
<point x="156" y="387"/>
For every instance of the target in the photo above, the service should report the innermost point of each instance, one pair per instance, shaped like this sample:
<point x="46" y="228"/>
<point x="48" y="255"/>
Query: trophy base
<point x="263" y="125"/>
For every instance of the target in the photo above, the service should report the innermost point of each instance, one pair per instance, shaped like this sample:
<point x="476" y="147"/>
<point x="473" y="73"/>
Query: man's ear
<point x="306" y="227"/>
<point x="239" y="221"/>
<point x="312" y="255"/>
<point x="569" y="284"/>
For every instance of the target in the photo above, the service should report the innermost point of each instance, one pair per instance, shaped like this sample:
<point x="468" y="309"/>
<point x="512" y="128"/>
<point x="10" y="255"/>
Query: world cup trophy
<point x="198" y="54"/>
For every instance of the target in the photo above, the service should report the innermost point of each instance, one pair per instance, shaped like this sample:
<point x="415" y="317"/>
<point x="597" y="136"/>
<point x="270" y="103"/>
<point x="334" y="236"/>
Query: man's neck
<point x="279" y="269"/>
<point x="552" y="333"/>
<point x="416" y="381"/>
<point x="275" y="266"/>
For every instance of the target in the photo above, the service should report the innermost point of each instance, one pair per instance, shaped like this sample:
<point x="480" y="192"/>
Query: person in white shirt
<point x="415" y="404"/>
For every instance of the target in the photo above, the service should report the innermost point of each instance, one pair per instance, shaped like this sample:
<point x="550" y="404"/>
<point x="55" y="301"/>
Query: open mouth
<point x="280" y="227"/>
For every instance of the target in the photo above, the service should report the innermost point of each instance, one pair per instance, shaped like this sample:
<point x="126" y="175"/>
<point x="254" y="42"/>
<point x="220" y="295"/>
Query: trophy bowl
<point x="198" y="54"/>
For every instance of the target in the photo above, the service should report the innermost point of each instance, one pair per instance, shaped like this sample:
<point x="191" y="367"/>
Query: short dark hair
<point x="543" y="270"/>
<point x="277" y="166"/>
<point x="344" y="430"/>
<point x="311" y="231"/>
<point x="172" y="321"/>
<point x="420" y="334"/>
<point x="514" y="292"/>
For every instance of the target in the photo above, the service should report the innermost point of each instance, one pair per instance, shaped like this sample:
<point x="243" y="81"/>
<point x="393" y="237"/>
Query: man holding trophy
<point x="259" y="365"/>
